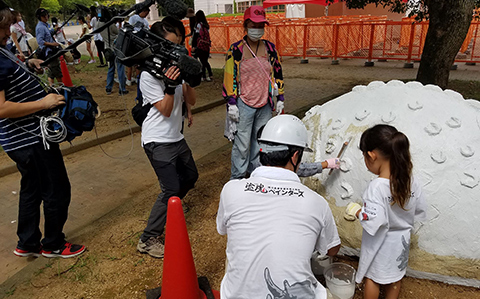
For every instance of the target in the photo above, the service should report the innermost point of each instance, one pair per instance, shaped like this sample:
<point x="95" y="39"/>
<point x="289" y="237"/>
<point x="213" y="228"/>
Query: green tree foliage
<point x="51" y="5"/>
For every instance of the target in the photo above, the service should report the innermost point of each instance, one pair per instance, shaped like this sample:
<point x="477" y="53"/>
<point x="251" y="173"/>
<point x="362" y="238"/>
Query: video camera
<point x="156" y="55"/>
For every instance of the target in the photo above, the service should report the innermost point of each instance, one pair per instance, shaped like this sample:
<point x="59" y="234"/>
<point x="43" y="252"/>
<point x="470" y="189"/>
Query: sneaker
<point x="203" y="79"/>
<point x="128" y="82"/>
<point x="208" y="79"/>
<point x="77" y="61"/>
<point x="27" y="253"/>
<point x="122" y="92"/>
<point x="109" y="92"/>
<point x="116" y="80"/>
<point x="102" y="65"/>
<point x="153" y="246"/>
<point x="69" y="63"/>
<point x="66" y="251"/>
<point x="92" y="61"/>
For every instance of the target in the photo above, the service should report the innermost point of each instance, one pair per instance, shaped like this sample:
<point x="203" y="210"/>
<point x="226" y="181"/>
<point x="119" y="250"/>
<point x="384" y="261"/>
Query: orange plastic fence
<point x="364" y="37"/>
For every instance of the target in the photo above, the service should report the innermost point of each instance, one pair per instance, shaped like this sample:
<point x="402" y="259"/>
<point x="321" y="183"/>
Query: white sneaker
<point x="128" y="82"/>
<point x="77" y="61"/>
<point x="116" y="80"/>
<point x="208" y="79"/>
<point x="91" y="61"/>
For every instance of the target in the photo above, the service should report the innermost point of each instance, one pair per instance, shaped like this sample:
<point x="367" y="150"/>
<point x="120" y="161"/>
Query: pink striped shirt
<point x="254" y="82"/>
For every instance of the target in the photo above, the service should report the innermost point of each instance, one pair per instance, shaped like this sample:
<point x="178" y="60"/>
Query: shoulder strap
<point x="259" y="63"/>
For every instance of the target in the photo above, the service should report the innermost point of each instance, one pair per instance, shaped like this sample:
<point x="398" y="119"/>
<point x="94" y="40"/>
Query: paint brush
<point x="342" y="150"/>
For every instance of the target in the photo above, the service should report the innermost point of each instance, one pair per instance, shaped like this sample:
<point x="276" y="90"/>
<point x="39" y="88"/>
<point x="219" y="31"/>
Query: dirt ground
<point x="112" y="268"/>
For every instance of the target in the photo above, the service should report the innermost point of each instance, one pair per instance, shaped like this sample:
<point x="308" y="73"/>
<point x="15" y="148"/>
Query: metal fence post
<point x="335" y="44"/>
<point x="369" y="61"/>
<point x="305" y="43"/>
<point x="409" y="63"/>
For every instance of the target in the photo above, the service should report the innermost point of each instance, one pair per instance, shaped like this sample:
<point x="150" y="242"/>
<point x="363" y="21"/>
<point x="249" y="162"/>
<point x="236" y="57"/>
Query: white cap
<point x="284" y="129"/>
<point x="70" y="40"/>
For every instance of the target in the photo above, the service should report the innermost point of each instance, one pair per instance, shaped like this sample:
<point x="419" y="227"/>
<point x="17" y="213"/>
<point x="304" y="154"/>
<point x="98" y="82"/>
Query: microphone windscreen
<point x="189" y="65"/>
<point x="190" y="69"/>
<point x="175" y="8"/>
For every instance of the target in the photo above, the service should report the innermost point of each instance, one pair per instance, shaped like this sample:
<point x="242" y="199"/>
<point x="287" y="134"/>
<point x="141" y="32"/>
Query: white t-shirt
<point x="133" y="20"/>
<point x="94" y="24"/>
<point x="274" y="223"/>
<point x="157" y="127"/>
<point x="22" y="39"/>
<point x="386" y="232"/>
<point x="59" y="38"/>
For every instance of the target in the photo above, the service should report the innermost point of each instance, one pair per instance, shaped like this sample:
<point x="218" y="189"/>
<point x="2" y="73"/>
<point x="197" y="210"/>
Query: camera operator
<point x="44" y="177"/>
<point x="163" y="141"/>
<point x="47" y="45"/>
<point x="108" y="36"/>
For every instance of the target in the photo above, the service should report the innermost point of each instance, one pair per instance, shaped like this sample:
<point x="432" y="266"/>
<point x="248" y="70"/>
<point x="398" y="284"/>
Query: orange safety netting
<point x="362" y="36"/>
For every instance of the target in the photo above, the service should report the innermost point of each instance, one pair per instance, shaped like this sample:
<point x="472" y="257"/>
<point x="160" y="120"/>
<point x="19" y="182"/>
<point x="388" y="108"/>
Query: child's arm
<point x="309" y="169"/>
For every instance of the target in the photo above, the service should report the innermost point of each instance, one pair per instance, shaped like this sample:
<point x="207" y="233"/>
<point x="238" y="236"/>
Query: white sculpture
<point x="444" y="134"/>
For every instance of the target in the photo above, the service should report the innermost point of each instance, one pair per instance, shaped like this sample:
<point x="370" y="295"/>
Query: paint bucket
<point x="320" y="262"/>
<point x="340" y="279"/>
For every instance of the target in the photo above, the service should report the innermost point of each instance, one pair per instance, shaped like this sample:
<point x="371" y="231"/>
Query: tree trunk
<point x="449" y="23"/>
<point x="27" y="11"/>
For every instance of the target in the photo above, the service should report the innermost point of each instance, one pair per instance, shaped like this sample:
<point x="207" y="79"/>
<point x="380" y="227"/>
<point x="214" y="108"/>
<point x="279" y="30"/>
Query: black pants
<point x="177" y="173"/>
<point x="44" y="179"/>
<point x="100" y="49"/>
<point x="203" y="56"/>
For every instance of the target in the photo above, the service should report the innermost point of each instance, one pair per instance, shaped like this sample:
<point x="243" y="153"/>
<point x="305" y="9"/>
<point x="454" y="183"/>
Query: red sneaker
<point x="66" y="251"/>
<point x="26" y="253"/>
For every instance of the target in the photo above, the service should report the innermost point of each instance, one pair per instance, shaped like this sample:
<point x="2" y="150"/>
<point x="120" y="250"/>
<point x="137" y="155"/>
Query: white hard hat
<point x="284" y="129"/>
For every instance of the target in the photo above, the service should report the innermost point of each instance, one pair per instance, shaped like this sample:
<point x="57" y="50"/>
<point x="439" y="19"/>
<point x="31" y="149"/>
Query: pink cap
<point x="256" y="14"/>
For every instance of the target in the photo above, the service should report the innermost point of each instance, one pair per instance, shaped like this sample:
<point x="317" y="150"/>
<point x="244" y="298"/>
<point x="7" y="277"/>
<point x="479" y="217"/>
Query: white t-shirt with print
<point x="386" y="232"/>
<point x="274" y="223"/>
<point x="157" y="127"/>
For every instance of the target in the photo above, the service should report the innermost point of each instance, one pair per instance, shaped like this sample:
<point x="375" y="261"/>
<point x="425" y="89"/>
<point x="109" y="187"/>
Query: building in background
<point x="295" y="11"/>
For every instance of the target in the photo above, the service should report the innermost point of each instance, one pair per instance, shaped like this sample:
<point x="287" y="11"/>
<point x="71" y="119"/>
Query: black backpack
<point x="78" y="114"/>
<point x="140" y="112"/>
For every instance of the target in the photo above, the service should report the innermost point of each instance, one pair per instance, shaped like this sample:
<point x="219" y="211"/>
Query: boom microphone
<point x="82" y="7"/>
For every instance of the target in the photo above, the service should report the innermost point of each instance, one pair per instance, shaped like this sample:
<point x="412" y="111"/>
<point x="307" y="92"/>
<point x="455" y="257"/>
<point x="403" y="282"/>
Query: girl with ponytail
<point x="390" y="204"/>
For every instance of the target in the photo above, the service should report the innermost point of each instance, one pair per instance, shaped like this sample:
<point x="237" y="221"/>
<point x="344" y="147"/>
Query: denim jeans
<point x="111" y="75"/>
<point x="177" y="173"/>
<point x="245" y="148"/>
<point x="44" y="179"/>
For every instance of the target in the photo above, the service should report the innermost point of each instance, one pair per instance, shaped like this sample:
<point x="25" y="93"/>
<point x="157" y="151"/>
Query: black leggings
<point x="203" y="56"/>
<point x="100" y="49"/>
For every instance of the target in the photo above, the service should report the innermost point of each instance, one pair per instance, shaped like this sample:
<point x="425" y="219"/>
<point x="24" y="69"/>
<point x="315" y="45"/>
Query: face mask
<point x="255" y="34"/>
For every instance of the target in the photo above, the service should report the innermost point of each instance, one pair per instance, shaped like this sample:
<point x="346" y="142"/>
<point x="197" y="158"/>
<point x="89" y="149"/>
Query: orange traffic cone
<point x="67" y="81"/>
<point x="179" y="274"/>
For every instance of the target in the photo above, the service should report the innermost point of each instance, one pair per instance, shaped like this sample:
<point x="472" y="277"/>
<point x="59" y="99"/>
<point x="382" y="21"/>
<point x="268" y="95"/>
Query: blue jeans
<point x="111" y="75"/>
<point x="245" y="148"/>
<point x="44" y="180"/>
